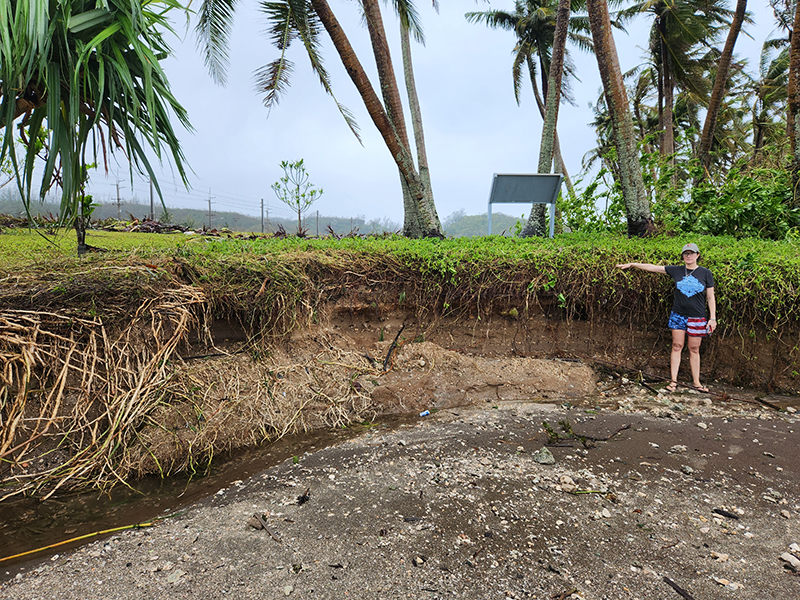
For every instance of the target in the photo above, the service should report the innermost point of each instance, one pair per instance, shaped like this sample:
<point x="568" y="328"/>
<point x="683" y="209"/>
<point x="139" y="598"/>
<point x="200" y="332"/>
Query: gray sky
<point x="473" y="126"/>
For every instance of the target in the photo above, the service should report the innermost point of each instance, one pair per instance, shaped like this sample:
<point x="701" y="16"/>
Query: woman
<point x="694" y="285"/>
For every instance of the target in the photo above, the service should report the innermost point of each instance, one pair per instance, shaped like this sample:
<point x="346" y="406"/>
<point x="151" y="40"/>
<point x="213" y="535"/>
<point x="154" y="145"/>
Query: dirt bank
<point x="455" y="505"/>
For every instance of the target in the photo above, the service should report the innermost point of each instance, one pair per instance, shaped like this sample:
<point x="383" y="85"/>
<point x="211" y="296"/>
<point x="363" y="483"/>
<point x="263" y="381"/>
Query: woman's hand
<point x="712" y="325"/>
<point x="625" y="266"/>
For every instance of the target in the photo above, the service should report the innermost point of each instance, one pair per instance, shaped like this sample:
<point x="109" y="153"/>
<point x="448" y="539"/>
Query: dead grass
<point x="82" y="406"/>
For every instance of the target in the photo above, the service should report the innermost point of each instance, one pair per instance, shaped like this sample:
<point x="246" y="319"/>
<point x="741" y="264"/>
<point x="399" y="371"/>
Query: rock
<point x="175" y="576"/>
<point x="720" y="557"/>
<point x="287" y="590"/>
<point x="678" y="449"/>
<point x="702" y="425"/>
<point x="795" y="548"/>
<point x="786" y="514"/>
<point x="566" y="484"/>
<point x="687" y="470"/>
<point x="792" y="562"/>
<point x="418" y="561"/>
<point x="544" y="456"/>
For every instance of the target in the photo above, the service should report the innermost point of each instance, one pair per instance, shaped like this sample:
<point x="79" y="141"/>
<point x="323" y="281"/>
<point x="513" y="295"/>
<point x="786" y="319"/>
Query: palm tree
<point x="536" y="222"/>
<point x="637" y="206"/>
<point x="793" y="91"/>
<point x="534" y="22"/>
<point x="720" y="82"/>
<point x="303" y="20"/>
<point x="680" y="29"/>
<point x="770" y="94"/>
<point x="85" y="73"/>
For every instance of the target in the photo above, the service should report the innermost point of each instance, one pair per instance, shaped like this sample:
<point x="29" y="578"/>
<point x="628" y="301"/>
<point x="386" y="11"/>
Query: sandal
<point x="701" y="388"/>
<point x="673" y="385"/>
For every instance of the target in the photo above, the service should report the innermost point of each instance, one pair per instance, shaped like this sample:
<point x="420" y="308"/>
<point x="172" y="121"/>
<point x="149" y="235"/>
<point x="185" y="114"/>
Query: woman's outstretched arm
<point x="644" y="267"/>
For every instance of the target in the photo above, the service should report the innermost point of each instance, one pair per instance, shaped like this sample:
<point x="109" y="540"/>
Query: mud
<point x="686" y="492"/>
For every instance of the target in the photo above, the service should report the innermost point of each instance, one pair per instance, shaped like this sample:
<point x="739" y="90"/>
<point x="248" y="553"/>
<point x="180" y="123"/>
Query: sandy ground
<point x="687" y="498"/>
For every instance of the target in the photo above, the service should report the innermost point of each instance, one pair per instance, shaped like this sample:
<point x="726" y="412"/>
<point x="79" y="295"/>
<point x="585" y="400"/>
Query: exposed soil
<point x="700" y="493"/>
<point x="456" y="504"/>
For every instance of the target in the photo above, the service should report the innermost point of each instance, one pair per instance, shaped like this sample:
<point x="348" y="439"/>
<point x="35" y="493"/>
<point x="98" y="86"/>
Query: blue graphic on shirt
<point x="690" y="286"/>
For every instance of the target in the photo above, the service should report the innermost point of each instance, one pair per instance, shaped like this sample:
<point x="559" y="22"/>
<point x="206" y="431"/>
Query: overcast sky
<point x="473" y="126"/>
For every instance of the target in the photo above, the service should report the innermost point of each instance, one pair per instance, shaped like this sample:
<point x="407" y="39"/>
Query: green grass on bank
<point x="756" y="280"/>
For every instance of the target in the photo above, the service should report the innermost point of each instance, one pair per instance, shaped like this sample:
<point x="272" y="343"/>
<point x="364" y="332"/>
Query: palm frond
<point x="213" y="35"/>
<point x="272" y="80"/>
<point x="409" y="18"/>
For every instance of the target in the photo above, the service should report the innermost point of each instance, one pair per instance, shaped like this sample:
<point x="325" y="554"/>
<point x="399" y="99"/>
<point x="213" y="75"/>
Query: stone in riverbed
<point x="544" y="456"/>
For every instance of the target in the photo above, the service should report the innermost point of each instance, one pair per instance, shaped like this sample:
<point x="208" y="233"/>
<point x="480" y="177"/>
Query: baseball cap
<point x="690" y="247"/>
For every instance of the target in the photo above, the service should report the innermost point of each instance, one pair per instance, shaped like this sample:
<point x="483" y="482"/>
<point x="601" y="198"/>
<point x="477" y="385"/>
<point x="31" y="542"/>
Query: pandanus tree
<point x="303" y="21"/>
<point x="84" y="71"/>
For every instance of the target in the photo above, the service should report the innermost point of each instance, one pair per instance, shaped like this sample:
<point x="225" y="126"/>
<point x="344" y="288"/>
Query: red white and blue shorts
<point x="694" y="326"/>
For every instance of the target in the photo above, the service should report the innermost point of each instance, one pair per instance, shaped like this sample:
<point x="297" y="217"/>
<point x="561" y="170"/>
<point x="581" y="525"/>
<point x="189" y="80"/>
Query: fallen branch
<point x="678" y="589"/>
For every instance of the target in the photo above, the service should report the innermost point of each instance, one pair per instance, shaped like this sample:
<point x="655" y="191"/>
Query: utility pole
<point x="119" y="204"/>
<point x="152" y="211"/>
<point x="317" y="223"/>
<point x="209" y="208"/>
<point x="262" y="215"/>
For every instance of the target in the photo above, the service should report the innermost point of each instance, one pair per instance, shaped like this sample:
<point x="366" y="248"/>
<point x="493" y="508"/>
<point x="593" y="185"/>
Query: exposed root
<point x="82" y="407"/>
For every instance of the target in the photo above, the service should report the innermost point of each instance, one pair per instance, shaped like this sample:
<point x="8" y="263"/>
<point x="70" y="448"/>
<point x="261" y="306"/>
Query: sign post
<point x="533" y="188"/>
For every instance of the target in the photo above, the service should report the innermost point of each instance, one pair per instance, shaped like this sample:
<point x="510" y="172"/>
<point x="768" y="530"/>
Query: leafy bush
<point x="757" y="204"/>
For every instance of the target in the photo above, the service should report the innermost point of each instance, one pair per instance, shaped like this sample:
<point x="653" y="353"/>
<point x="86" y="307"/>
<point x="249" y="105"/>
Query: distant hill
<point x="196" y="219"/>
<point x="460" y="224"/>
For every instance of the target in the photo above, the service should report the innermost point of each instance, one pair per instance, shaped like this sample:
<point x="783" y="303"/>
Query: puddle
<point x="27" y="524"/>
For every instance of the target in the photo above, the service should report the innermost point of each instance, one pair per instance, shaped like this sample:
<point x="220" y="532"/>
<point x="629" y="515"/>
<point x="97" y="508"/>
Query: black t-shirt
<point x="690" y="289"/>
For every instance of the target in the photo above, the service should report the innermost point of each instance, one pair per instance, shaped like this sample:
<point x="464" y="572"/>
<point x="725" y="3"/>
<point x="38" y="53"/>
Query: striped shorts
<point x="694" y="326"/>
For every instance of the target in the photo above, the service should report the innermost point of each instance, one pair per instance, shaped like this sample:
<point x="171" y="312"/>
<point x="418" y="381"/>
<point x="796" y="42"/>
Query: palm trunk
<point x="637" y="207"/>
<point x="718" y="93"/>
<point x="667" y="132"/>
<point x="424" y="220"/>
<point x="536" y="224"/>
<point x="416" y="120"/>
<point x="560" y="165"/>
<point x="414" y="108"/>
<point x="792" y="122"/>
<point x="399" y="151"/>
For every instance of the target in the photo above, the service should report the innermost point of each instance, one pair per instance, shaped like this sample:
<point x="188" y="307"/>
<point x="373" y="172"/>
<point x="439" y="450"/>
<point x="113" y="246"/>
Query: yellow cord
<point x="75" y="539"/>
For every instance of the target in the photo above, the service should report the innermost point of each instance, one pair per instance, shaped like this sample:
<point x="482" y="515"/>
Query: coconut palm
<point x="720" y="81"/>
<point x="303" y="20"/>
<point x="533" y="23"/>
<point x="637" y="206"/>
<point x="680" y="32"/>
<point x="769" y="96"/>
<point x="536" y="224"/>
<point x="86" y="70"/>
<point x="792" y="119"/>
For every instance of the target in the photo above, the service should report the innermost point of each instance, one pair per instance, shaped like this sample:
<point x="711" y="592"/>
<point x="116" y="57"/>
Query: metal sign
<point x="532" y="188"/>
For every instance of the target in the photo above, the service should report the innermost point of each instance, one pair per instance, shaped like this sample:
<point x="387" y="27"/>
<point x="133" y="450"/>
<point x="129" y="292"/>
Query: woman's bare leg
<point x="678" y="338"/>
<point x="694" y="359"/>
